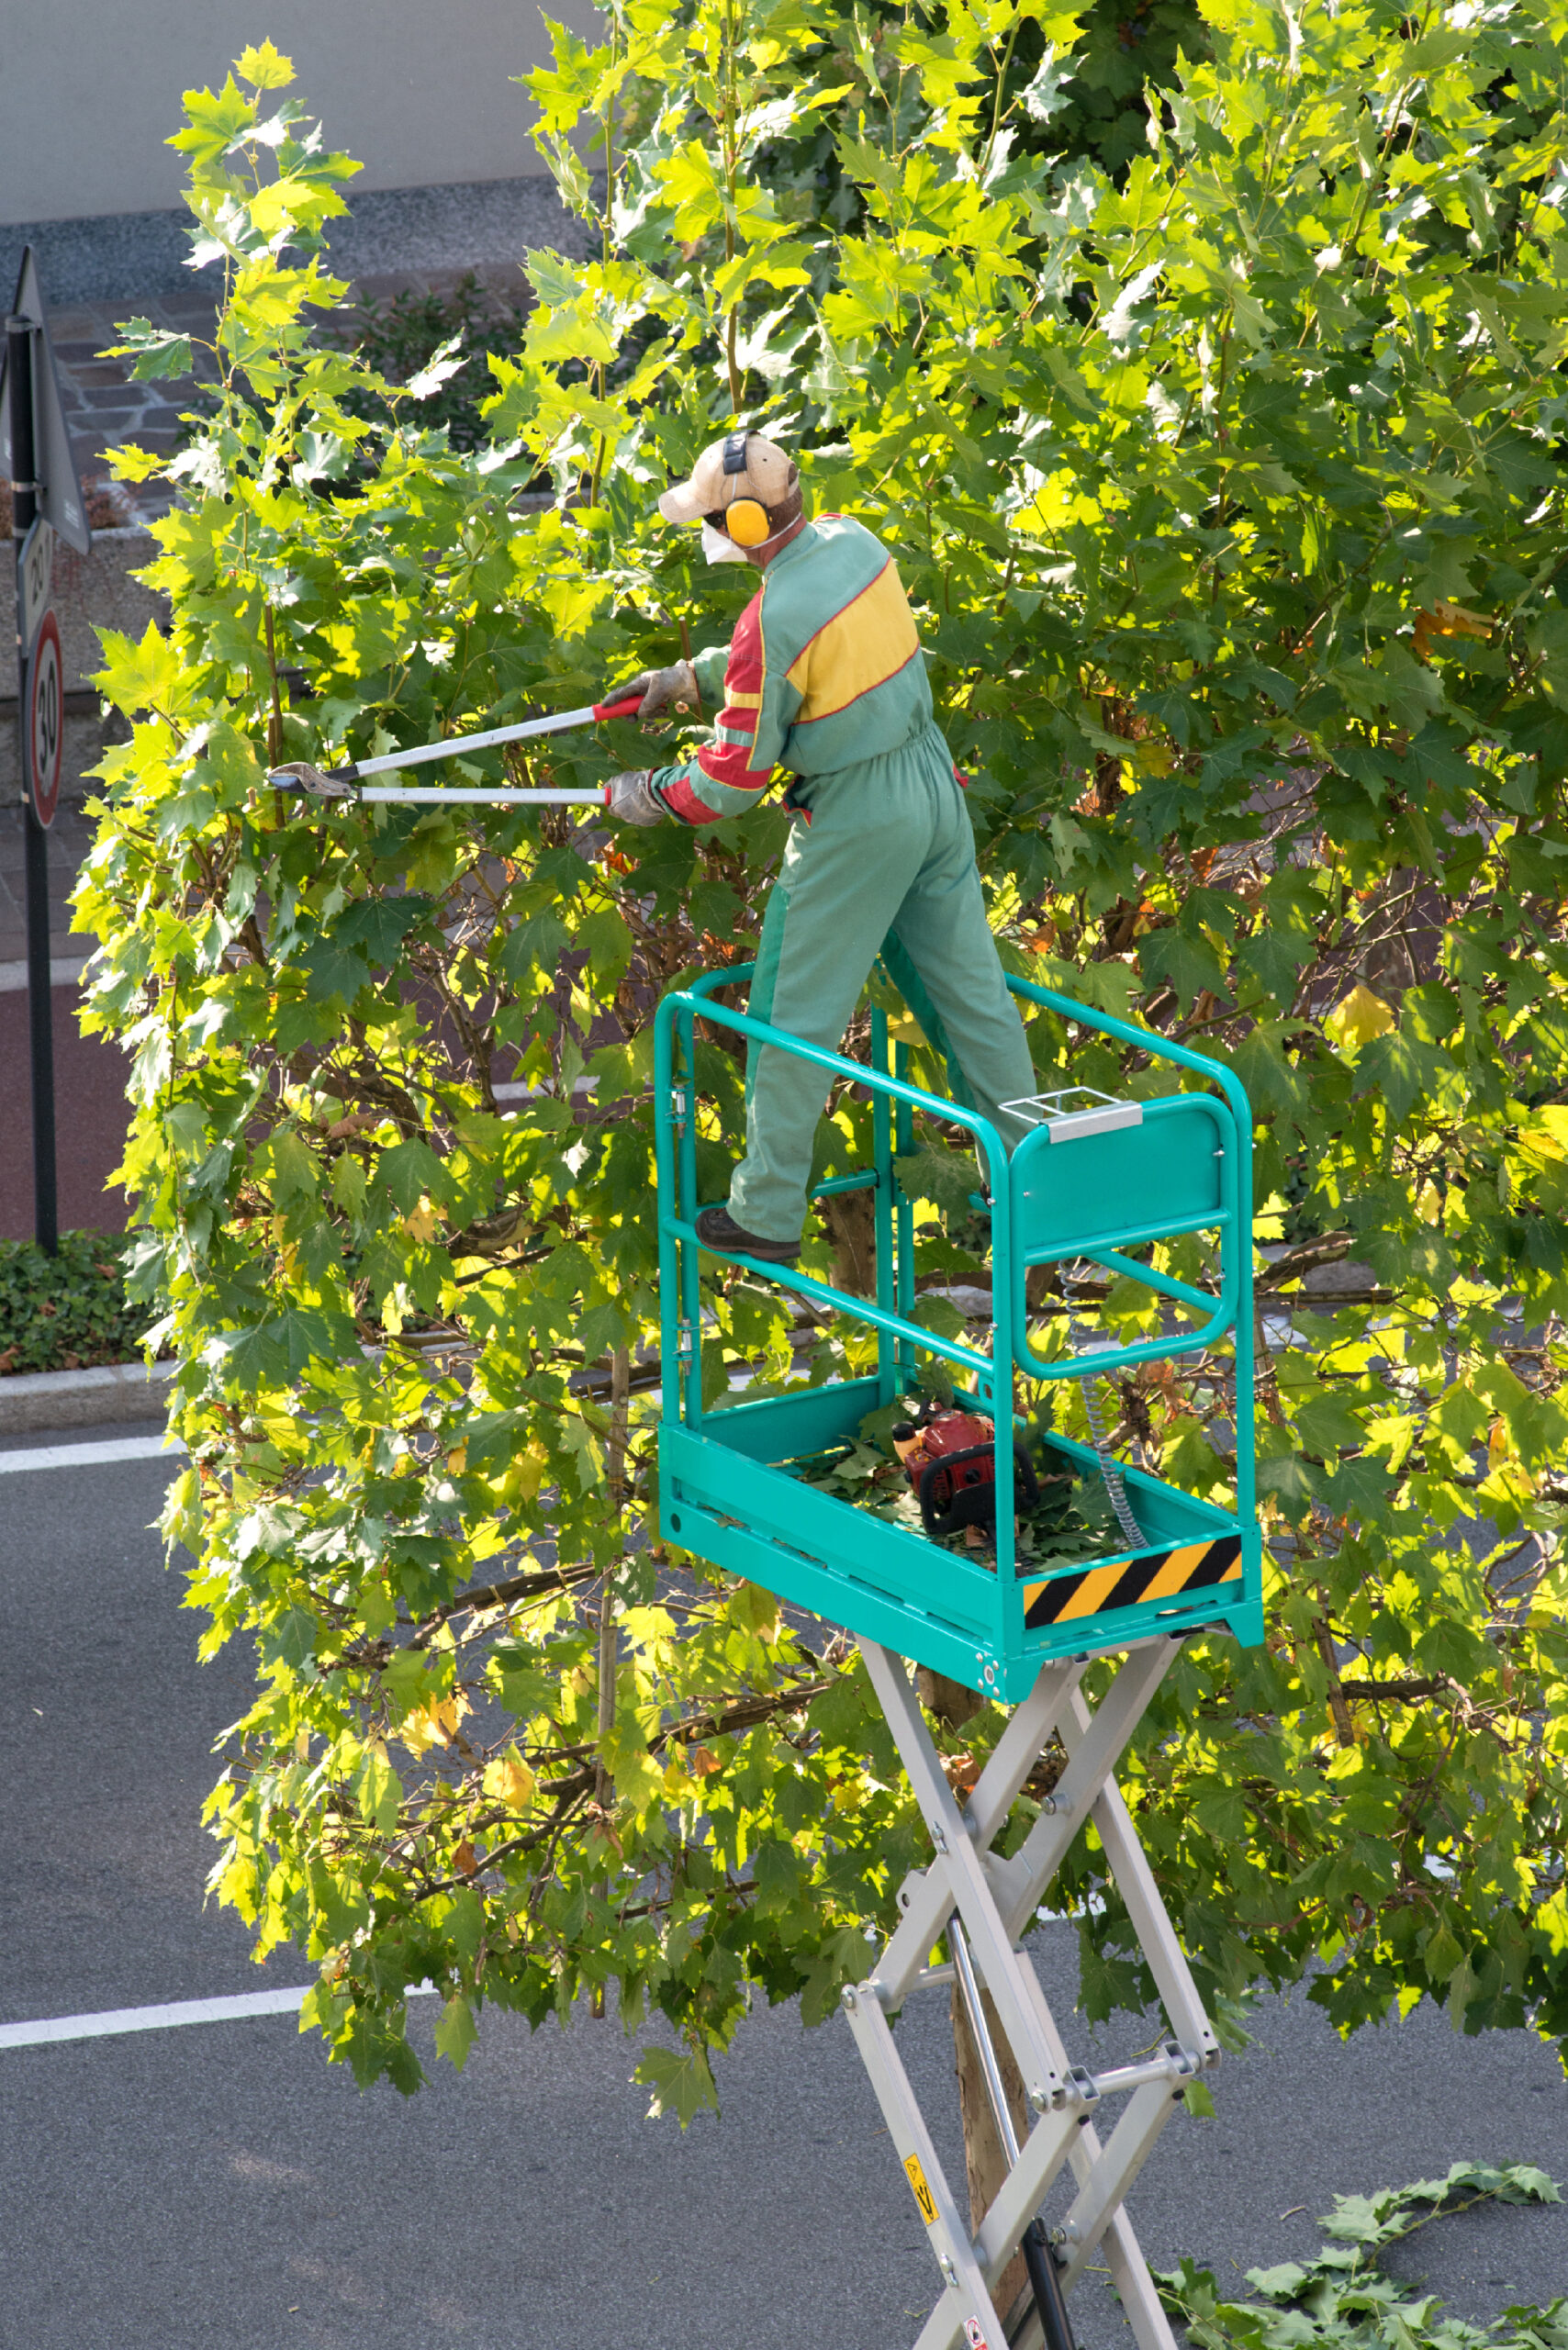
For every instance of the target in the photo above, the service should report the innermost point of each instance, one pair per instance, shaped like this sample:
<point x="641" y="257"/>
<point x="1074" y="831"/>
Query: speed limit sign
<point x="46" y="701"/>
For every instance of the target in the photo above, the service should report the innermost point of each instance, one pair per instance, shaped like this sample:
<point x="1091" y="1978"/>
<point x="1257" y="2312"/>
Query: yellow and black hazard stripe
<point x="1164" y="1574"/>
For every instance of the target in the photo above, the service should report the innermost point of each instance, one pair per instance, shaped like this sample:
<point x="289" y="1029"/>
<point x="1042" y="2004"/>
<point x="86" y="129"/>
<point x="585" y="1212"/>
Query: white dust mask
<point x="718" y="547"/>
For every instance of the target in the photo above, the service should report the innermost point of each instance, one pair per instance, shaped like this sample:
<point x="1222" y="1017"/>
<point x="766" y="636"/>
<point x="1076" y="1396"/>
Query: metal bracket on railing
<point x="1075" y="1111"/>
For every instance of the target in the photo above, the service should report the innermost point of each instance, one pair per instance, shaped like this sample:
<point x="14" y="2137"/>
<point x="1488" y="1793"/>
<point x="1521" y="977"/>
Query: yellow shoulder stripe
<point x="868" y="641"/>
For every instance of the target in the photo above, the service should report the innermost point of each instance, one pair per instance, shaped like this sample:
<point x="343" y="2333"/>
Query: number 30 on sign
<point x="46" y="712"/>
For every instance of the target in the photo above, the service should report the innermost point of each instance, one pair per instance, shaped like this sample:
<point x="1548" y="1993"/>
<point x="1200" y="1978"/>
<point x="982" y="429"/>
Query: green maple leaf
<point x="682" y="2084"/>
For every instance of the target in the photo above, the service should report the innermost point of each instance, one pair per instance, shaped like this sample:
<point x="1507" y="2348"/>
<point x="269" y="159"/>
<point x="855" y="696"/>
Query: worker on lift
<point x="825" y="679"/>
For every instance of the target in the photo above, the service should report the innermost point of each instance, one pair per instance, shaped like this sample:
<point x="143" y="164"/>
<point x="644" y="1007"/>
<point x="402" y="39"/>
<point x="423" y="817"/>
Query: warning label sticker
<point x="973" y="2335"/>
<point x="922" y="2195"/>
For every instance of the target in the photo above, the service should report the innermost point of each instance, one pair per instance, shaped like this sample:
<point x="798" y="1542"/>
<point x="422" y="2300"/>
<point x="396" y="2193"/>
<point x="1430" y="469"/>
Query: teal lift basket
<point x="1092" y="1180"/>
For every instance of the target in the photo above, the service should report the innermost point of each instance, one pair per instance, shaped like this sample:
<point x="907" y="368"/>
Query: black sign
<point x="59" y="500"/>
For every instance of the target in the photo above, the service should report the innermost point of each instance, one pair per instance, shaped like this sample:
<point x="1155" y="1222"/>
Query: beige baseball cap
<point x="761" y="470"/>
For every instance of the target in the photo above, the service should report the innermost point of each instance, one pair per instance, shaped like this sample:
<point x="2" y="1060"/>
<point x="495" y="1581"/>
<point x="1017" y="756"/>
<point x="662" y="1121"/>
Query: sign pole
<point x="24" y="512"/>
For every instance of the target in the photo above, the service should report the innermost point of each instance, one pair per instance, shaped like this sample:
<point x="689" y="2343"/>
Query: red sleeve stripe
<point x="682" y="802"/>
<point x="743" y="670"/>
<point x="725" y="761"/>
<point x="723" y="764"/>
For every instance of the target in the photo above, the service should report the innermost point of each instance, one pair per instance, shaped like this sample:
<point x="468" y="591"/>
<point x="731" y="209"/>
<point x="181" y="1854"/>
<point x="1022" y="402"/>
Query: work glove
<point x="659" y="688"/>
<point x="632" y="799"/>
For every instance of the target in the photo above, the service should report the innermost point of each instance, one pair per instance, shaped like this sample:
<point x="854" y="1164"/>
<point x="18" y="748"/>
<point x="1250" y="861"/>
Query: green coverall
<point x="825" y="677"/>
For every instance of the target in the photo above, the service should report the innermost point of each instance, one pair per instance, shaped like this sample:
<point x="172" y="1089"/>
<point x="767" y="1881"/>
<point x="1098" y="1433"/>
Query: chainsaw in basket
<point x="949" y="1458"/>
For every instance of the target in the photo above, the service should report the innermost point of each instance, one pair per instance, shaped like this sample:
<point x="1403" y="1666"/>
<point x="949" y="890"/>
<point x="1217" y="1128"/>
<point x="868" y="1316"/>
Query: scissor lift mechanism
<point x="1093" y="1180"/>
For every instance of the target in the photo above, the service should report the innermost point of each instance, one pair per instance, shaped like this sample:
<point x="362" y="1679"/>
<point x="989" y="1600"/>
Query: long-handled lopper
<point x="348" y="783"/>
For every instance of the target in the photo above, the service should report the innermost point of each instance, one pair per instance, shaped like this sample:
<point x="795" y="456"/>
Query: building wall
<point x="419" y="90"/>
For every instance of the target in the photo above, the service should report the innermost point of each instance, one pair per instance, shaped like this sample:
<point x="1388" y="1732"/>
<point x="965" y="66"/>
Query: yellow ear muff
<point x="747" y="522"/>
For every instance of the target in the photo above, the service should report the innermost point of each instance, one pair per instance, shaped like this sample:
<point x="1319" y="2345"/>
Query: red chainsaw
<point x="949" y="1458"/>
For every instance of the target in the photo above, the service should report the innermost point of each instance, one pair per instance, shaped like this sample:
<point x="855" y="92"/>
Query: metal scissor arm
<point x="983" y="1903"/>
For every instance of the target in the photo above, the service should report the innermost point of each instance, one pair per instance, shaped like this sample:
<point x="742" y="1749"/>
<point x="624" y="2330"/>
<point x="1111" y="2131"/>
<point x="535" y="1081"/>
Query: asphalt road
<point x="219" y="2188"/>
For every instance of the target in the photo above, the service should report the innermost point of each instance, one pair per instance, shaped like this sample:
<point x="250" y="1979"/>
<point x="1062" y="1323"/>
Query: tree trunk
<point x="952" y="1702"/>
<point x="850" y="1218"/>
<point x="984" y="2159"/>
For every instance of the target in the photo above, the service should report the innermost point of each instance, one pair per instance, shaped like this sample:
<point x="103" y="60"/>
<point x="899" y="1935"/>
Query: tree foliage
<point x="1228" y="488"/>
<point x="1343" y="2300"/>
<point x="403" y="337"/>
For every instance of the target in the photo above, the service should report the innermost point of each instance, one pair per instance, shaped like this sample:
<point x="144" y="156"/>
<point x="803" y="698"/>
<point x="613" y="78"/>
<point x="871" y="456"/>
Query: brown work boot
<point x="716" y="1228"/>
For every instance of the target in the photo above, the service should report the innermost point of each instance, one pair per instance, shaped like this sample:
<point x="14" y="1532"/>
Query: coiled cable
<point x="1084" y="1343"/>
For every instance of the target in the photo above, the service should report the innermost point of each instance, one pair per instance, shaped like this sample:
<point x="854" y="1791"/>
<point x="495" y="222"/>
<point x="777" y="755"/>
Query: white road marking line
<point x="248" y="2003"/>
<point x="86" y="1456"/>
<point x="163" y="2018"/>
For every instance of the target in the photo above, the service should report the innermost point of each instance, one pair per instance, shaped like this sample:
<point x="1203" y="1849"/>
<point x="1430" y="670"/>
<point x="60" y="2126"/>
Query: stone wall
<point x="90" y="91"/>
